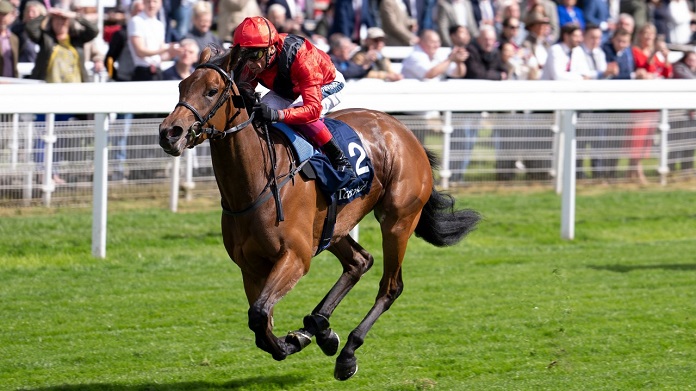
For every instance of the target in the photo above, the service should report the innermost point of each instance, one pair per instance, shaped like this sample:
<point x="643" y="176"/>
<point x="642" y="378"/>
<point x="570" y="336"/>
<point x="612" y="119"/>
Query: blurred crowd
<point x="486" y="39"/>
<point x="445" y="39"/>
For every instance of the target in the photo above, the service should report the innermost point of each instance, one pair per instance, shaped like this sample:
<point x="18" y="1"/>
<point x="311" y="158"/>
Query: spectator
<point x="27" y="48"/>
<point x="349" y="14"/>
<point x="484" y="13"/>
<point x="231" y="13"/>
<point x="484" y="60"/>
<point x="569" y="12"/>
<point x="426" y="62"/>
<point x="637" y="10"/>
<point x="511" y="9"/>
<point x="61" y="42"/>
<point x="680" y="22"/>
<point x="659" y="15"/>
<point x="549" y="9"/>
<point x="464" y="133"/>
<point x="146" y="39"/>
<point x="180" y="12"/>
<point x="595" y="56"/>
<point x="626" y="22"/>
<point x="9" y="42"/>
<point x="276" y="14"/>
<point x="202" y="21"/>
<point x="61" y="36"/>
<point x="398" y="26"/>
<point x="184" y="63"/>
<point x="685" y="68"/>
<point x="564" y="61"/>
<point x="596" y="137"/>
<point x="650" y="57"/>
<point x="119" y="49"/>
<point x="596" y="12"/>
<point x="452" y="13"/>
<point x="341" y="50"/>
<point x="516" y="67"/>
<point x="536" y="46"/>
<point x="618" y="51"/>
<point x="120" y="65"/>
<point x="370" y="56"/>
<point x="511" y="32"/>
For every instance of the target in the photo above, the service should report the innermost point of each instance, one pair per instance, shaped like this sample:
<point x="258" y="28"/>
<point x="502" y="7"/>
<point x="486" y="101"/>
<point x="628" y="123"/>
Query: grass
<point x="513" y="307"/>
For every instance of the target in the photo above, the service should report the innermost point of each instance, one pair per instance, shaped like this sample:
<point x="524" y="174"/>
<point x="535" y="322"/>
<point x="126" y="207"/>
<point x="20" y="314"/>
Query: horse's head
<point x="210" y="104"/>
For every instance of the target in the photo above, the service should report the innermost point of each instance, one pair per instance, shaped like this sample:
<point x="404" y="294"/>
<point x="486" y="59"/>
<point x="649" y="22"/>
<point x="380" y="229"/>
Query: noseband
<point x="197" y="129"/>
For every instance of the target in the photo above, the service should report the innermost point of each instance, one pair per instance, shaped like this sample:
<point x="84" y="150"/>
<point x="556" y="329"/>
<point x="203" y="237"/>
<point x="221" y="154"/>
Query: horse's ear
<point x="232" y="59"/>
<point x="205" y="55"/>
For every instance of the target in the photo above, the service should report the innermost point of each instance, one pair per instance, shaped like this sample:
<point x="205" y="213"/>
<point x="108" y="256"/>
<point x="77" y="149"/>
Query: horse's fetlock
<point x="355" y="339"/>
<point x="315" y="323"/>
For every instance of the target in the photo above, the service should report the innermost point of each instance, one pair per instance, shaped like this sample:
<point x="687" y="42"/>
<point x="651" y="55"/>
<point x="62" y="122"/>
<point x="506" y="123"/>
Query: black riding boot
<point x="337" y="158"/>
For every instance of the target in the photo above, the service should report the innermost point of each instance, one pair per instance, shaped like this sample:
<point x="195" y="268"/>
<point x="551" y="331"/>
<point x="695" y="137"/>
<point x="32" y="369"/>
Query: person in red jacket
<point x="303" y="82"/>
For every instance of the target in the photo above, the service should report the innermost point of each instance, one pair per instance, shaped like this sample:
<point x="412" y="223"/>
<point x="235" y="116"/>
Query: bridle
<point x="196" y="129"/>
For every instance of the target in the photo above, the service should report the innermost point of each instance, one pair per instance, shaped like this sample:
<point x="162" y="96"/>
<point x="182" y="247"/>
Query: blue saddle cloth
<point x="331" y="182"/>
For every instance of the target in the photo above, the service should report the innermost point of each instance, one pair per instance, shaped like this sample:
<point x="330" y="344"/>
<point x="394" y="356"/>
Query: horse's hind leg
<point x="356" y="261"/>
<point x="395" y="236"/>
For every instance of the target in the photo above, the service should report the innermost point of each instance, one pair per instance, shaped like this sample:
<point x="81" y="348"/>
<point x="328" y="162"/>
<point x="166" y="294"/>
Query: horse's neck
<point x="241" y="166"/>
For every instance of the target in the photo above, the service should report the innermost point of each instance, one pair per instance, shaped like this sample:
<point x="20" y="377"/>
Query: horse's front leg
<point x="263" y="294"/>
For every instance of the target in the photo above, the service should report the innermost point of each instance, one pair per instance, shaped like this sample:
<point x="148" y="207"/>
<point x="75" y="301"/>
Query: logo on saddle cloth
<point x="331" y="182"/>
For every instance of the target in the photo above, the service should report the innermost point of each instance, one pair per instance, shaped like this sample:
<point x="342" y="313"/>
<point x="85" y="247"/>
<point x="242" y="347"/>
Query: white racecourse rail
<point x="565" y="98"/>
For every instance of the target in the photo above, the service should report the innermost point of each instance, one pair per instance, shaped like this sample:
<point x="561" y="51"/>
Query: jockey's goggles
<point x="253" y="54"/>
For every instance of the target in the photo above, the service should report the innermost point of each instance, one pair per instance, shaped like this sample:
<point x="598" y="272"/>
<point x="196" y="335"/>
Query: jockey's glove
<point x="268" y="113"/>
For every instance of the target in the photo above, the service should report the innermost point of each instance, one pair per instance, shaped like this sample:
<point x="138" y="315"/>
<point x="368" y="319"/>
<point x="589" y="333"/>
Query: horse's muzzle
<point x="172" y="140"/>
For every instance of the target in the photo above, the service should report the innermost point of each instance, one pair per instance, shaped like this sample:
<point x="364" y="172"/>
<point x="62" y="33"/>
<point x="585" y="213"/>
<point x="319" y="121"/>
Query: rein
<point x="197" y="129"/>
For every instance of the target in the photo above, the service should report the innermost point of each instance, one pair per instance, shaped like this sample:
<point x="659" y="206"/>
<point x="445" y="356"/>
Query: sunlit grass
<point x="514" y="307"/>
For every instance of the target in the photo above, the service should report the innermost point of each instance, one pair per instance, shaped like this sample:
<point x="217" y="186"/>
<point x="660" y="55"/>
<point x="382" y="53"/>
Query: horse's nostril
<point x="175" y="132"/>
<point x="171" y="133"/>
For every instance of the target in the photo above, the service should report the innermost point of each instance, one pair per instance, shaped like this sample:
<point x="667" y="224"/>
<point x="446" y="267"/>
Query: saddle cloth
<point x="331" y="182"/>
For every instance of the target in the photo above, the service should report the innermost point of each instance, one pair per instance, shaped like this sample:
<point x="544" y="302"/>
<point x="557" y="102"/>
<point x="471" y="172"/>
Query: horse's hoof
<point x="345" y="369"/>
<point x="328" y="341"/>
<point x="298" y="338"/>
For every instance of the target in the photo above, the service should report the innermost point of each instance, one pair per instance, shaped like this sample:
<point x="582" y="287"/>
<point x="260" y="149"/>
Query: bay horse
<point x="274" y="250"/>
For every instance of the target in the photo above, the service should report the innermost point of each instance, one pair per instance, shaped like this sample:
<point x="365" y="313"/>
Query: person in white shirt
<point x="146" y="35"/>
<point x="564" y="62"/>
<point x="594" y="55"/>
<point x="427" y="62"/>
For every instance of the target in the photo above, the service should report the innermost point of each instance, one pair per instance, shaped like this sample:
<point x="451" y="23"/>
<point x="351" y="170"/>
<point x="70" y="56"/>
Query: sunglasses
<point x="254" y="54"/>
<point x="512" y="27"/>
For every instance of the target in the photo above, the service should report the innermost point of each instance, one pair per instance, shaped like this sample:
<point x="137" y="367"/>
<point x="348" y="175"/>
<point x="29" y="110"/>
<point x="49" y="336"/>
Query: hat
<point x="6" y="7"/>
<point x="535" y="18"/>
<point x="375" y="33"/>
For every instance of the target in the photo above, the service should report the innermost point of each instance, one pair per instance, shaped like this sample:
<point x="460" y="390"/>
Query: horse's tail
<point x="441" y="225"/>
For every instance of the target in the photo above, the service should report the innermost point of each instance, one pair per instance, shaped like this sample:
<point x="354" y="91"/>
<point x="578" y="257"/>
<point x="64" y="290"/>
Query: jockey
<point x="303" y="82"/>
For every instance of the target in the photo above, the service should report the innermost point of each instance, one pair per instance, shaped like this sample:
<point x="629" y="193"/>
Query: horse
<point x="273" y="243"/>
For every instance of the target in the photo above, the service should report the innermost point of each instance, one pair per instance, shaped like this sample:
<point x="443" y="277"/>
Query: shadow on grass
<point x="264" y="382"/>
<point x="627" y="268"/>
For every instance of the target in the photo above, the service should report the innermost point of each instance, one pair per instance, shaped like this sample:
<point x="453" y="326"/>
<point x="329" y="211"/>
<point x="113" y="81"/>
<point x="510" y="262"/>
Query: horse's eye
<point x="212" y="92"/>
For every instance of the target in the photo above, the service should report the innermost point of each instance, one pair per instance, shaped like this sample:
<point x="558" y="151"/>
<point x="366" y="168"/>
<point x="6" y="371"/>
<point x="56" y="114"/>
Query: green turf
<point x="513" y="307"/>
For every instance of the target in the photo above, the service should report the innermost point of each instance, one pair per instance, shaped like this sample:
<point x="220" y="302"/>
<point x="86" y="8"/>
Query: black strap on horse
<point x="264" y="196"/>
<point x="274" y="180"/>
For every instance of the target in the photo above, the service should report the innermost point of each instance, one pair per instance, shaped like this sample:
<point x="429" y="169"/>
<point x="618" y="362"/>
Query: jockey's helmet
<point x="255" y="32"/>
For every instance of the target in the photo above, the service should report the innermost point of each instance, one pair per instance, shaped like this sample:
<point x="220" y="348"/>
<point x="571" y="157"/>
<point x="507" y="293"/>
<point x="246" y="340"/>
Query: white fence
<point x="545" y="108"/>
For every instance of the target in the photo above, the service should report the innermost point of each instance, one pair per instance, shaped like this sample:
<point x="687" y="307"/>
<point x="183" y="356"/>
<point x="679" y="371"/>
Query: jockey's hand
<point x="268" y="113"/>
